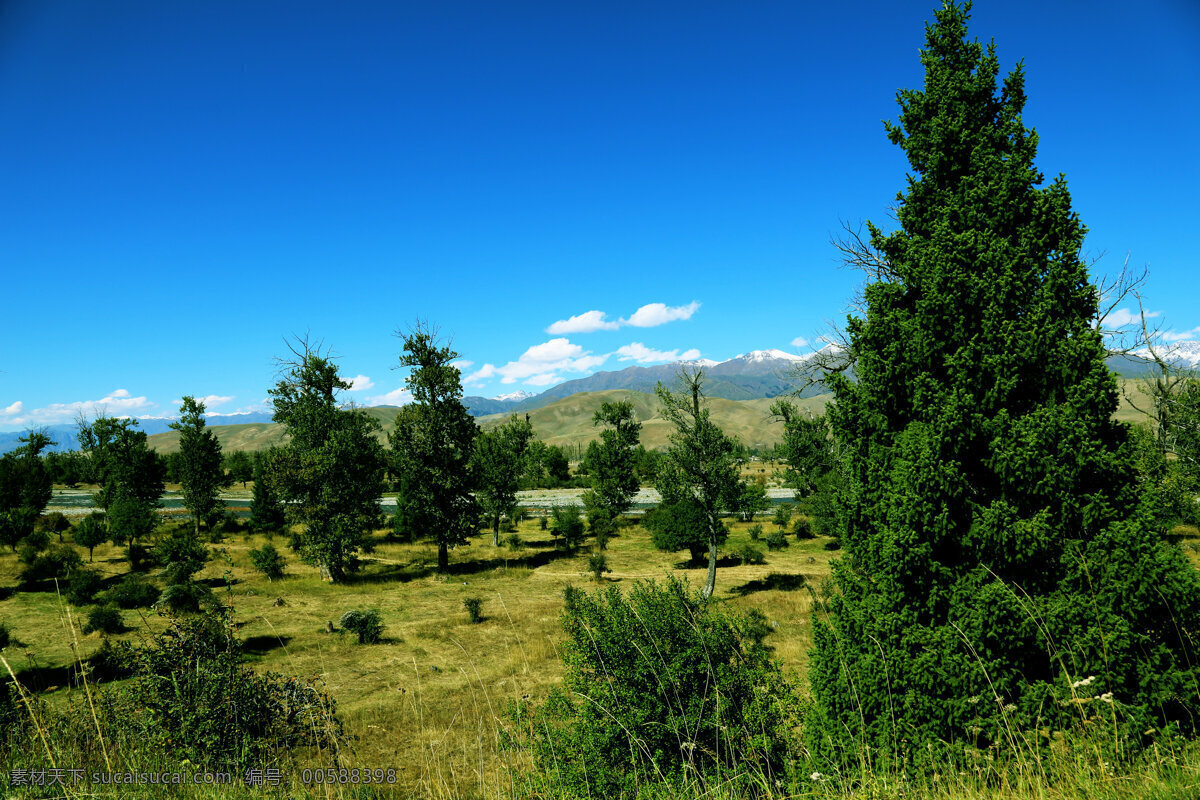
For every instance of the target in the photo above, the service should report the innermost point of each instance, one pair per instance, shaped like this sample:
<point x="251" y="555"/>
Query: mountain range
<point x="759" y="374"/>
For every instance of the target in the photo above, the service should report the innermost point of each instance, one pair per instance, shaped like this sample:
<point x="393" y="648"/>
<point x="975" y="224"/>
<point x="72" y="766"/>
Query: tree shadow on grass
<point x="261" y="645"/>
<point x="403" y="573"/>
<point x="775" y="582"/>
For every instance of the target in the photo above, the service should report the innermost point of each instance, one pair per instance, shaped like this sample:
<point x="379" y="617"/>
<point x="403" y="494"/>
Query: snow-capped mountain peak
<point x="758" y="356"/>
<point x="701" y="362"/>
<point x="514" y="397"/>
<point x="1181" y="354"/>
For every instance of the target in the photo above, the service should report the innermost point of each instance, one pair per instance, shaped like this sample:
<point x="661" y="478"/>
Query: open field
<point x="430" y="700"/>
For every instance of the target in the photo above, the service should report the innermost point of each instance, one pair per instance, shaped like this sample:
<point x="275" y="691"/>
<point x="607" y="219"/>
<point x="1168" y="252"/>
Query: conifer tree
<point x="498" y="459"/>
<point x="997" y="560"/>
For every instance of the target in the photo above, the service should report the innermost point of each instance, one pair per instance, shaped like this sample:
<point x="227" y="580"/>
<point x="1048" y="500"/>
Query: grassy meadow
<point x="430" y="700"/>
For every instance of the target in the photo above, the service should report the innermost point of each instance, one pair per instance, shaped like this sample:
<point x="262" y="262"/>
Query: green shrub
<point x="192" y="696"/>
<point x="113" y="661"/>
<point x="514" y="542"/>
<point x="660" y="684"/>
<point x="82" y="586"/>
<point x="134" y="591"/>
<point x="106" y="619"/>
<point x="56" y="562"/>
<point x="268" y="561"/>
<point x="776" y="540"/>
<point x="31" y="545"/>
<point x="755" y="532"/>
<point x="749" y="554"/>
<point x="367" y="625"/>
<point x="568" y="526"/>
<point x="598" y="565"/>
<point x="186" y="597"/>
<point x="474" y="606"/>
<point x="803" y="529"/>
<point x="543" y="523"/>
<point x="783" y="515"/>
<point x="681" y="526"/>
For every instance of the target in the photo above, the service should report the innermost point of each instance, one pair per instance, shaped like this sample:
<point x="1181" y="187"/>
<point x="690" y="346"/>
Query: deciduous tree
<point x="199" y="464"/>
<point x="699" y="467"/>
<point x="330" y="473"/>
<point x="498" y="459"/>
<point x="432" y="445"/>
<point x="611" y="464"/>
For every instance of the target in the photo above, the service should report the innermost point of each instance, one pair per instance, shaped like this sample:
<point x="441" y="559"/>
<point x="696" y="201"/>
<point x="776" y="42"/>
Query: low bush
<point x="514" y="542"/>
<point x="134" y="591"/>
<point x="660" y="685"/>
<point x="803" y="529"/>
<point x="367" y="625"/>
<point x="105" y="619"/>
<point x="83" y="586"/>
<point x="268" y="561"/>
<point x="749" y="554"/>
<point x="755" y="532"/>
<point x="598" y="565"/>
<point x="776" y="540"/>
<point x="568" y="526"/>
<point x="474" y="607"/>
<point x="57" y="562"/>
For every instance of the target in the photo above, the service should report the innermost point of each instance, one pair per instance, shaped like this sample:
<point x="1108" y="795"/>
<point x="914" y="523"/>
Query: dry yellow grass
<point x="430" y="699"/>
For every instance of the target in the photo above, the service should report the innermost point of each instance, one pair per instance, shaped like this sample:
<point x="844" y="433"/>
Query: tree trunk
<point x="710" y="582"/>
<point x="496" y="531"/>
<point x="326" y="573"/>
<point x="443" y="557"/>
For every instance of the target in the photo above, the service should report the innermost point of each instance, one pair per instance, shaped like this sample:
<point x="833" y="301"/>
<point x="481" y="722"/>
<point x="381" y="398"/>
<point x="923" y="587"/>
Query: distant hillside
<point x="758" y="374"/>
<point x="564" y="422"/>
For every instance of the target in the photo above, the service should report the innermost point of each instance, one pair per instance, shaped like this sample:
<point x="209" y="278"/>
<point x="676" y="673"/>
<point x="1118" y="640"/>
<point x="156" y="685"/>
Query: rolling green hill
<point x="568" y="422"/>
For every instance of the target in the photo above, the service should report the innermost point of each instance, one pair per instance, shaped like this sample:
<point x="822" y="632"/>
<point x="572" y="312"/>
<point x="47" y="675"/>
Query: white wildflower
<point x="1084" y="682"/>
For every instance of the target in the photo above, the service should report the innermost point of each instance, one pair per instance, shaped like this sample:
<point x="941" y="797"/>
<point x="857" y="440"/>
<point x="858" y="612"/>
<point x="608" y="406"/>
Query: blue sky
<point x="187" y="183"/>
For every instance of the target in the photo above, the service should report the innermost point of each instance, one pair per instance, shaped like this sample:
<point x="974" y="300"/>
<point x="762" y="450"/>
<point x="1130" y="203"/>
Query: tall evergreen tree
<point x="331" y="470"/>
<point x="996" y="558"/>
<point x="432" y="444"/>
<point x="199" y="464"/>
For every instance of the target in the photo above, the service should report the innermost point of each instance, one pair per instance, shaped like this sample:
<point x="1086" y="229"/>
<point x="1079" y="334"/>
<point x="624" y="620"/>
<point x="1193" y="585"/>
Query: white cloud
<point x="644" y="355"/>
<point x="586" y="322"/>
<point x="360" y="383"/>
<point x="214" y="400"/>
<point x="799" y="341"/>
<point x="119" y="403"/>
<point x="537" y="365"/>
<point x="482" y="374"/>
<point x="396" y="397"/>
<point x="653" y="314"/>
<point x="648" y="316"/>
<point x="15" y="408"/>
<point x="1180" y="336"/>
<point x="462" y="364"/>
<point x="1121" y="317"/>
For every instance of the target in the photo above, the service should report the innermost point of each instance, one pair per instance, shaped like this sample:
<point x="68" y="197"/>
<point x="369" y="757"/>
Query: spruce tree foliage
<point x="198" y="467"/>
<point x="330" y="473"/>
<point x="700" y="466"/>
<point x="266" y="510"/>
<point x="25" y="488"/>
<point x="498" y="459"/>
<point x="611" y="463"/>
<point x="996" y="551"/>
<point x="432" y="445"/>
